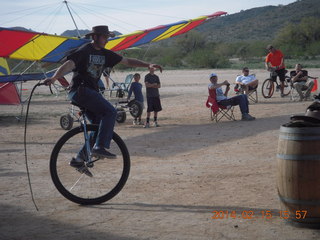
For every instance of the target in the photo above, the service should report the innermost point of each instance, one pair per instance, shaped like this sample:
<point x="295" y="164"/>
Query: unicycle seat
<point x="77" y="105"/>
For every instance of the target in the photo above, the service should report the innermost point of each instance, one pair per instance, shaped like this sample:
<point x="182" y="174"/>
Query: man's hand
<point x="49" y="81"/>
<point x="155" y="66"/>
<point x="225" y="82"/>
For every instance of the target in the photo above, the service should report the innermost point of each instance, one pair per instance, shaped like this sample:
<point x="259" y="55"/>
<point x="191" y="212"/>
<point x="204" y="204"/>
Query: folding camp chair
<point x="294" y="96"/>
<point x="124" y="86"/>
<point x="252" y="94"/>
<point x="217" y="112"/>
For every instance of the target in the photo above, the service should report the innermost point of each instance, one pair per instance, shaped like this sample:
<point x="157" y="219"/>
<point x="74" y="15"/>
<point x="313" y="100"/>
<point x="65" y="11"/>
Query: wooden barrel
<point x="298" y="177"/>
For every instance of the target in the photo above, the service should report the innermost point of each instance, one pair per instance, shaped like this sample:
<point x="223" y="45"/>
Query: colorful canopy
<point x="8" y="91"/>
<point x="52" y="48"/>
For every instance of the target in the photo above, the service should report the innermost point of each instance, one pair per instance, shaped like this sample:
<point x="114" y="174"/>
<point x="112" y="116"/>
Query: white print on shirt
<point x="96" y="65"/>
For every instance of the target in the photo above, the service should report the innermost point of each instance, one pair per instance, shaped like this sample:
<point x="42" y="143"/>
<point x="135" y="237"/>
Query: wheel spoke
<point x="108" y="175"/>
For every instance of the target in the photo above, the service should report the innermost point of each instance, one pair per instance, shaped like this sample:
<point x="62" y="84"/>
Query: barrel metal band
<point x="299" y="202"/>
<point x="299" y="157"/>
<point x="300" y="137"/>
<point x="302" y="130"/>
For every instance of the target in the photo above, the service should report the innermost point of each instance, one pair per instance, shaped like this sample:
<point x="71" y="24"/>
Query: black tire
<point x="135" y="108"/>
<point x="66" y="122"/>
<point x="287" y="86"/>
<point x="109" y="175"/>
<point x="121" y="115"/>
<point x="267" y="88"/>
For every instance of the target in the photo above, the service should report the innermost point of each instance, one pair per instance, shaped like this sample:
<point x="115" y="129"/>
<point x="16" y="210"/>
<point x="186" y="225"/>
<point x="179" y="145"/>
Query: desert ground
<point x="181" y="172"/>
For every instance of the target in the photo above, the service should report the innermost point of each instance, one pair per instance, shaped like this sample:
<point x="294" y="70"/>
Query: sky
<point x="52" y="16"/>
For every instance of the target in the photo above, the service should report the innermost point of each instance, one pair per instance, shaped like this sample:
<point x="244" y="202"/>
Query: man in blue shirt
<point x="136" y="88"/>
<point x="224" y="100"/>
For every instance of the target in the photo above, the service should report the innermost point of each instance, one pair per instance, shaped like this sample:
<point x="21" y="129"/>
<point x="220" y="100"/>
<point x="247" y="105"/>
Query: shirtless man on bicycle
<point x="275" y="62"/>
<point x="87" y="64"/>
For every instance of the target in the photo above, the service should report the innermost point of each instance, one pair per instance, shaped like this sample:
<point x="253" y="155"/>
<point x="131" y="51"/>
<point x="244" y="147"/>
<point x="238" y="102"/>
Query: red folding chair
<point x="217" y="112"/>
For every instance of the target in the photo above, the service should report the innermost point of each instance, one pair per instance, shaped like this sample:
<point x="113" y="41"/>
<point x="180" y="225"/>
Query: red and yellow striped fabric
<point x="52" y="48"/>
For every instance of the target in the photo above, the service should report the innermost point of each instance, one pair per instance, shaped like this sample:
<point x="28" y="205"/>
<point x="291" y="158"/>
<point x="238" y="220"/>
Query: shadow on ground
<point x="17" y="224"/>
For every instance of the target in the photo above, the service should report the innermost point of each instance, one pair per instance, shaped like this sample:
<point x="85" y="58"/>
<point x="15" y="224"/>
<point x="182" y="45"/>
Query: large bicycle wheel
<point x="109" y="175"/>
<point x="267" y="88"/>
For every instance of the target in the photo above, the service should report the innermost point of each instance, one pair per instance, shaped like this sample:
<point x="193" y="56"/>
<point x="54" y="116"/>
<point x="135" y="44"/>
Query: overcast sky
<point x="51" y="16"/>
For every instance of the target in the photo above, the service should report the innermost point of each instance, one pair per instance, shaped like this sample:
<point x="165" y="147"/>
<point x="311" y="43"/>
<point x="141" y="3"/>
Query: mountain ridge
<point x="261" y="23"/>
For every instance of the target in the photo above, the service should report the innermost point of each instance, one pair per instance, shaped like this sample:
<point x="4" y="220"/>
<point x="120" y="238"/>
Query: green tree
<point x="299" y="39"/>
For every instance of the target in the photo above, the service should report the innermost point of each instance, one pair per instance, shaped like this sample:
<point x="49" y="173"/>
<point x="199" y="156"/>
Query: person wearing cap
<point x="223" y="99"/>
<point x="246" y="81"/>
<point x="87" y="64"/>
<point x="299" y="78"/>
<point x="275" y="62"/>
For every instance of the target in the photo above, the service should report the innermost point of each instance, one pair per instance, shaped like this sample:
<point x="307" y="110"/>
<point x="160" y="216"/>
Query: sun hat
<point x="312" y="114"/>
<point x="103" y="30"/>
<point x="213" y="75"/>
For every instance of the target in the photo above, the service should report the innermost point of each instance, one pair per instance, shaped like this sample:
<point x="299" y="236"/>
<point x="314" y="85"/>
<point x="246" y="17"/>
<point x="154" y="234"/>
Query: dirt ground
<point x="181" y="172"/>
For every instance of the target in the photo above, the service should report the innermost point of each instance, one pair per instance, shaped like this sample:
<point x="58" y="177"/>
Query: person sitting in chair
<point x="299" y="78"/>
<point x="223" y="100"/>
<point x="246" y="82"/>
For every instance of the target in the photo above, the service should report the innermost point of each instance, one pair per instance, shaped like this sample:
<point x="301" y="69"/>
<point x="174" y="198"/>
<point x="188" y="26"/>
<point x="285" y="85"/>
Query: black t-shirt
<point x="90" y="63"/>
<point x="294" y="73"/>
<point x="152" y="78"/>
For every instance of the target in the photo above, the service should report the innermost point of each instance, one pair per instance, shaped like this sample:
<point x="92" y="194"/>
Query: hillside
<point x="258" y="23"/>
<point x="261" y="23"/>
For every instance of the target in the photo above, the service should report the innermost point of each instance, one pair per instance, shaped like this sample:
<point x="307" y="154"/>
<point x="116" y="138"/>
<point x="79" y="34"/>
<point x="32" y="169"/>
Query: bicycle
<point x="268" y="85"/>
<point x="108" y="175"/>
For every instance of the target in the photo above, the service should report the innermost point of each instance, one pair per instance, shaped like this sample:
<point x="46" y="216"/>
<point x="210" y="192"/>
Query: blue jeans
<point x="241" y="100"/>
<point x="99" y="111"/>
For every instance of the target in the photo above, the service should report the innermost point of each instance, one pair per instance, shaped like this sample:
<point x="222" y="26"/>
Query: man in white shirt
<point x="246" y="81"/>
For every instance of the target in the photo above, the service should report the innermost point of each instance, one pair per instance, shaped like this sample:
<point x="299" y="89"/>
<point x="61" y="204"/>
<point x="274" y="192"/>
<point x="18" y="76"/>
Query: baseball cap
<point x="213" y="75"/>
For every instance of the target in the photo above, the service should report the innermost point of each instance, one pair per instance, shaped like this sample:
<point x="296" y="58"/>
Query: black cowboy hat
<point x="102" y="30"/>
<point x="312" y="114"/>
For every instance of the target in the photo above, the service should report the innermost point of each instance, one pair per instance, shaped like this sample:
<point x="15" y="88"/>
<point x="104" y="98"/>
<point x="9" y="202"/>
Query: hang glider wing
<point x="36" y="46"/>
<point x="25" y="77"/>
<point x="8" y="91"/>
<point x="158" y="33"/>
<point x="43" y="47"/>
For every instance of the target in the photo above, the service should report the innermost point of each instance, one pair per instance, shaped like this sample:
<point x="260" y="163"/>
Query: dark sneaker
<point x="80" y="166"/>
<point x="102" y="153"/>
<point x="247" y="117"/>
<point x="147" y="125"/>
<point x="156" y="124"/>
<point x="76" y="162"/>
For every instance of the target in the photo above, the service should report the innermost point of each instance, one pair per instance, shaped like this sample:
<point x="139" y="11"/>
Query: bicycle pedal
<point x="84" y="170"/>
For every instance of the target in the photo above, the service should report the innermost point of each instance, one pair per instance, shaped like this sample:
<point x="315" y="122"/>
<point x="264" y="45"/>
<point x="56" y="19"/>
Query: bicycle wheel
<point x="109" y="175"/>
<point x="267" y="88"/>
<point x="287" y="86"/>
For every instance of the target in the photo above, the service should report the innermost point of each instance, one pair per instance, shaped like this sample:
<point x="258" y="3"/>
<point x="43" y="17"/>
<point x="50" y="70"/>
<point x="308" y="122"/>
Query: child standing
<point x="136" y="88"/>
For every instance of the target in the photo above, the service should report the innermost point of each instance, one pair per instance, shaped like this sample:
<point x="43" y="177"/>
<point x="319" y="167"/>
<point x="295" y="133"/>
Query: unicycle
<point x="108" y="176"/>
